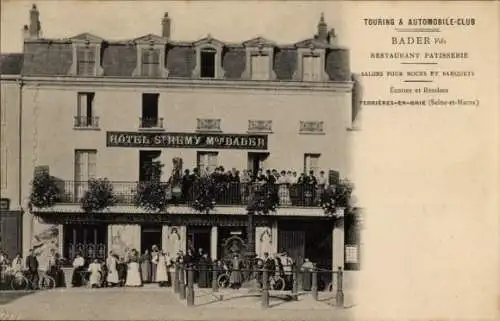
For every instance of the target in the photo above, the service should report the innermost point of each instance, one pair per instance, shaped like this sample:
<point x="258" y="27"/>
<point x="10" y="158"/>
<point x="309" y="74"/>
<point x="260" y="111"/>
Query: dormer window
<point x="150" y="63"/>
<point x="311" y="67"/>
<point x="150" y="57"/>
<point x="208" y="58"/>
<point x="260" y="59"/>
<point x="86" y="61"/>
<point x="86" y="55"/>
<point x="259" y="67"/>
<point x="311" y="61"/>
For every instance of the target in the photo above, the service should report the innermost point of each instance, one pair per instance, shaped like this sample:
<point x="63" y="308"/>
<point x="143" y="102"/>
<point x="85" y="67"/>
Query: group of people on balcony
<point x="287" y="187"/>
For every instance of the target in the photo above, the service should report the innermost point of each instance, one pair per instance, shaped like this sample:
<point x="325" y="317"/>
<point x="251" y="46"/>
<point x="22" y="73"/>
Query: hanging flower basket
<point x="44" y="191"/>
<point x="336" y="199"/>
<point x="264" y="199"/>
<point x="99" y="196"/>
<point x="152" y="195"/>
<point x="206" y="191"/>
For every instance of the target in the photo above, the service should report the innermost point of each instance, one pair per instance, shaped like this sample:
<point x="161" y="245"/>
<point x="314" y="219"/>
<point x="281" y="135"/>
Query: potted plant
<point x="99" y="196"/>
<point x="205" y="190"/>
<point x="336" y="199"/>
<point x="263" y="199"/>
<point x="152" y="194"/>
<point x="44" y="190"/>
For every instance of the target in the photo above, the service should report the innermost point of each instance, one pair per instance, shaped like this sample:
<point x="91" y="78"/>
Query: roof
<point x="54" y="57"/>
<point x="11" y="63"/>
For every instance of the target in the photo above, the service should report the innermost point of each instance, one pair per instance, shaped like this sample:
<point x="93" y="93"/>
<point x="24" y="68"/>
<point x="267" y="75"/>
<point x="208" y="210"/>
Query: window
<point x="85" y="169"/>
<point x="150" y="63"/>
<point x="207" y="162"/>
<point x="149" y="117"/>
<point x="311" y="163"/>
<point x="86" y="61"/>
<point x="311" y="68"/>
<point x="209" y="52"/>
<point x="207" y="60"/>
<point x="85" y="113"/>
<point x="259" y="67"/>
<point x="146" y="159"/>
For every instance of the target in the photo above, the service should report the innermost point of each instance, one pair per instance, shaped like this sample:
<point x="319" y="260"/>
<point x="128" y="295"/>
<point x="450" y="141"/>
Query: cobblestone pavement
<point x="153" y="303"/>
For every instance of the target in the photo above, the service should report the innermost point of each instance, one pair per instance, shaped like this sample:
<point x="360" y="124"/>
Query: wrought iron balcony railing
<point x="86" y="122"/>
<point x="228" y="194"/>
<point x="151" y="122"/>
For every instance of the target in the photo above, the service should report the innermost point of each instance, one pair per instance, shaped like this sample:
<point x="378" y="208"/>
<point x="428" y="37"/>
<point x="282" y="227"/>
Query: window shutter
<point x="316" y="62"/>
<point x="259" y="67"/>
<point x="202" y="162"/>
<point x="90" y="57"/>
<point x="306" y="68"/>
<point x="212" y="161"/>
<point x="144" y="62"/>
<point x="154" y="61"/>
<point x="82" y="106"/>
<point x="333" y="177"/>
<point x="80" y="61"/>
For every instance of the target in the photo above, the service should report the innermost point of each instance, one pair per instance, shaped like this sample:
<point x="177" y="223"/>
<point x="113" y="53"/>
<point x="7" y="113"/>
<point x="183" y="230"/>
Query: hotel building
<point x="86" y="107"/>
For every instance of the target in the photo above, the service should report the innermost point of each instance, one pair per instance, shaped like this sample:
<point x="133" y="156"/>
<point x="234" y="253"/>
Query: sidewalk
<point x="156" y="303"/>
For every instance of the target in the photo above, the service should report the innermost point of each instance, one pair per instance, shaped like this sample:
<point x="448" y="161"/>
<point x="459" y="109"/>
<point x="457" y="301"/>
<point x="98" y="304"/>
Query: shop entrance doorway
<point x="150" y="235"/>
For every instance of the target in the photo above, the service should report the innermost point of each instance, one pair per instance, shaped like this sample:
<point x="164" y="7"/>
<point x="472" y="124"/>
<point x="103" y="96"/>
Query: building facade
<point x="94" y="108"/>
<point x="10" y="156"/>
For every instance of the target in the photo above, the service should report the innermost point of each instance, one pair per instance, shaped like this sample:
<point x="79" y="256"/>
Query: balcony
<point x="150" y="123"/>
<point x="230" y="194"/>
<point x="86" y="122"/>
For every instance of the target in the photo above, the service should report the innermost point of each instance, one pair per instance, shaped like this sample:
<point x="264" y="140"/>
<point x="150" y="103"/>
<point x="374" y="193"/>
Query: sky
<point x="283" y="22"/>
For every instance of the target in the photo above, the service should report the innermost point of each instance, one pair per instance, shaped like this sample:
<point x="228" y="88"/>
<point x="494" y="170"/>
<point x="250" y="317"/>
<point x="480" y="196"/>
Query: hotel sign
<point x="186" y="140"/>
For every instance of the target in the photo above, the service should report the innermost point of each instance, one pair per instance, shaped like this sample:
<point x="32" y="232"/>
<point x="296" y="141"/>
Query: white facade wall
<point x="50" y="139"/>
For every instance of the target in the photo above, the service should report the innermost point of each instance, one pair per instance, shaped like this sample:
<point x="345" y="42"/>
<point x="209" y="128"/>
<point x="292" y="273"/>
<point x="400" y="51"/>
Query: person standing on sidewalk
<point x="32" y="266"/>
<point x="112" y="266"/>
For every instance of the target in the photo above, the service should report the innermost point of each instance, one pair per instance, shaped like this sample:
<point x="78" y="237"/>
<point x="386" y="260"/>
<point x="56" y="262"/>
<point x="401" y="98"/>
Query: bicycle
<point x="46" y="282"/>
<point x="276" y="283"/>
<point x="223" y="280"/>
<point x="21" y="282"/>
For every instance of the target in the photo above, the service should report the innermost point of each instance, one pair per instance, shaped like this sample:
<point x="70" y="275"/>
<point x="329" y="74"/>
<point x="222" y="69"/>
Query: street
<point x="150" y="303"/>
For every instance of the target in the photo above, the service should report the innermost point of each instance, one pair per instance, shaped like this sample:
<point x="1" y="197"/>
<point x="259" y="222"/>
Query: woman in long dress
<point x="95" y="274"/>
<point x="236" y="278"/>
<point x="154" y="262"/>
<point x="133" y="273"/>
<point x="161" y="269"/>
<point x="111" y="263"/>
<point x="78" y="263"/>
<point x="146" y="267"/>
<point x="306" y="271"/>
<point x="284" y="190"/>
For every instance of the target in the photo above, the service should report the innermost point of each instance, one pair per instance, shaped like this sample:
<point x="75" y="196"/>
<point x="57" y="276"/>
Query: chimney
<point x="322" y="29"/>
<point x="26" y="32"/>
<point x="332" y="37"/>
<point x="34" y="27"/>
<point x="165" y="23"/>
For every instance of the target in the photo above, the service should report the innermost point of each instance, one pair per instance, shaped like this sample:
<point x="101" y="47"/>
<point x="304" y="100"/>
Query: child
<point x="95" y="274"/>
